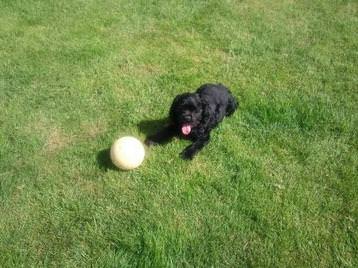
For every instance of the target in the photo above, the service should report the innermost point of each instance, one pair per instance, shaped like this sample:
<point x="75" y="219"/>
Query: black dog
<point x="194" y="115"/>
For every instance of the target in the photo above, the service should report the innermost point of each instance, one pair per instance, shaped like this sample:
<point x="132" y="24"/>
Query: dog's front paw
<point x="187" y="154"/>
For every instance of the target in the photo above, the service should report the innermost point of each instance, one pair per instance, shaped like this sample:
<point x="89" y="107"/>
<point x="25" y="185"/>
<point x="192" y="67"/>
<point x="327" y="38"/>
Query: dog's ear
<point x="176" y="102"/>
<point x="198" y="98"/>
<point x="208" y="113"/>
<point x="173" y="106"/>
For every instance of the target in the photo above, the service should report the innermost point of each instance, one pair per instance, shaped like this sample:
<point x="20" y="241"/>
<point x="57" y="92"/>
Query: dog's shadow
<point x="150" y="127"/>
<point x="104" y="160"/>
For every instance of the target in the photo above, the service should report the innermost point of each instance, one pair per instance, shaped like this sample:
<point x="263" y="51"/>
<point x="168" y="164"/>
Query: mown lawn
<point x="276" y="187"/>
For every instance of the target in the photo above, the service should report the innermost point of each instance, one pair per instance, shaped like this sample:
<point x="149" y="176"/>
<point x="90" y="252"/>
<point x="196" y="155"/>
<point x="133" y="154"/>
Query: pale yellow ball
<point x="127" y="153"/>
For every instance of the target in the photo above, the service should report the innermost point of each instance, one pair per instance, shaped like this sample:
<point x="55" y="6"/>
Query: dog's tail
<point x="232" y="105"/>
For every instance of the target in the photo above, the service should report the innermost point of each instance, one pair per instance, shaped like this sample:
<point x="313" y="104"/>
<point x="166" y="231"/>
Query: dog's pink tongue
<point x="185" y="129"/>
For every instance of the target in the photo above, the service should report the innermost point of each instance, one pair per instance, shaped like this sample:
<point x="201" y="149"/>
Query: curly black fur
<point x="197" y="113"/>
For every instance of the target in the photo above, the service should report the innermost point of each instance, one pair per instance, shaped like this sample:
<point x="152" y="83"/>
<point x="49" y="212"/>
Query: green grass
<point x="276" y="187"/>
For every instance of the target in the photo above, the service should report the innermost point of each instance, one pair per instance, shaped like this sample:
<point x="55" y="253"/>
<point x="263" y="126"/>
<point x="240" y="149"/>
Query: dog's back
<point x="220" y="95"/>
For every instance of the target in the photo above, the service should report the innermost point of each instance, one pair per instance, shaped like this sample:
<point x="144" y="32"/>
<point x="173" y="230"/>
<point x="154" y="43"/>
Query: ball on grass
<point x="127" y="153"/>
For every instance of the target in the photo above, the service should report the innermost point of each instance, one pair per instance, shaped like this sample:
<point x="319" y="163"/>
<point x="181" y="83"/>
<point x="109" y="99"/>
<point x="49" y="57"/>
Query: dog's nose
<point x="187" y="117"/>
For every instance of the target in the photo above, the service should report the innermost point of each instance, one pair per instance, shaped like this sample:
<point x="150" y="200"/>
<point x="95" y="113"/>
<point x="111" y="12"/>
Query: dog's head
<point x="186" y="112"/>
